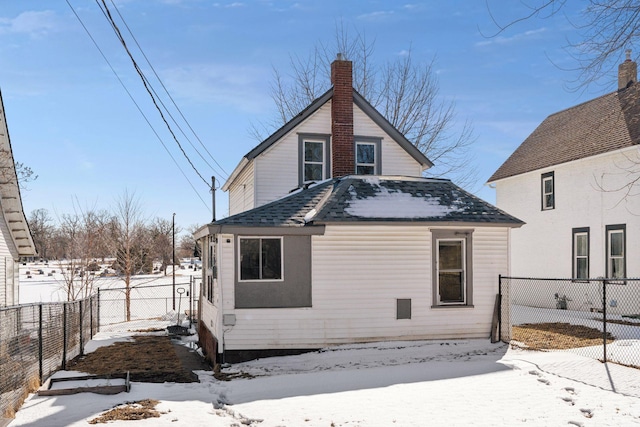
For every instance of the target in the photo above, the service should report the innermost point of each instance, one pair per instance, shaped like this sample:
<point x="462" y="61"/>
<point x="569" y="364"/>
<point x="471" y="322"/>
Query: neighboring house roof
<point x="10" y="199"/>
<point x="604" y="124"/>
<point x="361" y="102"/>
<point x="357" y="198"/>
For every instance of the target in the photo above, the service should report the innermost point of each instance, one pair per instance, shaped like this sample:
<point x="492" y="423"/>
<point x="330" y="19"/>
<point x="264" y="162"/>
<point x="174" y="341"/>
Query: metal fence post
<point x="499" y="307"/>
<point x="190" y="300"/>
<point x="91" y="317"/>
<point x="64" y="336"/>
<point x="604" y="319"/>
<point x="98" y="310"/>
<point x="81" y="329"/>
<point x="40" y="354"/>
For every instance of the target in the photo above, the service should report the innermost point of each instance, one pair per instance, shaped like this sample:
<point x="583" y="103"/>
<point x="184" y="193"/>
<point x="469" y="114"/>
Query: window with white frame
<point x="313" y="160"/>
<point x="548" y="191"/>
<point x="260" y="258"/>
<point x="366" y="158"/>
<point x="616" y="251"/>
<point x="580" y="268"/>
<point x="452" y="267"/>
<point x="450" y="257"/>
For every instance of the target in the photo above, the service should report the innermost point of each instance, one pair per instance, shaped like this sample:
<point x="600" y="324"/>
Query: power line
<point x="137" y="106"/>
<point x="146" y="86"/>
<point x="224" y="174"/>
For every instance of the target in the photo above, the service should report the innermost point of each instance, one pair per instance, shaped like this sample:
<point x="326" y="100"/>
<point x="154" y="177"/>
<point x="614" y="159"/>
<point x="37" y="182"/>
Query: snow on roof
<point x="388" y="203"/>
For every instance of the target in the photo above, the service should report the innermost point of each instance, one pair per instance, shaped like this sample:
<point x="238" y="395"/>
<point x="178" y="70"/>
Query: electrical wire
<point x="147" y="88"/>
<point x="138" y="106"/>
<point x="224" y="173"/>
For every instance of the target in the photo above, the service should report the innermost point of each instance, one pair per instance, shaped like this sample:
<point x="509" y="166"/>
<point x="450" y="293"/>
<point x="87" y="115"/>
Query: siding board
<point x="358" y="273"/>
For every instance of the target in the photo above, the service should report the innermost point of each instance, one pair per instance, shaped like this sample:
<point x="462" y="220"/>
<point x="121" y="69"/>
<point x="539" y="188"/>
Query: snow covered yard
<point x="448" y="383"/>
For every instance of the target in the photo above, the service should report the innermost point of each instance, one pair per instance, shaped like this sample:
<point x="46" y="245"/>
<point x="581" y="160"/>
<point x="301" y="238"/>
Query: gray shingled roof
<point x="604" y="124"/>
<point x="374" y="199"/>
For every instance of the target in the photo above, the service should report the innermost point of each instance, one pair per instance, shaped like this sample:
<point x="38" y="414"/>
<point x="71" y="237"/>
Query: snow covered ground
<point x="421" y="383"/>
<point x="44" y="282"/>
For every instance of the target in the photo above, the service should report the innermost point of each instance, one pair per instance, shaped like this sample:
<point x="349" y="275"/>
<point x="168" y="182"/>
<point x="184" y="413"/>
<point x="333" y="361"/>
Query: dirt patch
<point x="151" y="359"/>
<point x="557" y="336"/>
<point x="140" y="410"/>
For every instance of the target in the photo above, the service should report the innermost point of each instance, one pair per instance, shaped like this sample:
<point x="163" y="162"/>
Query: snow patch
<point x="395" y="204"/>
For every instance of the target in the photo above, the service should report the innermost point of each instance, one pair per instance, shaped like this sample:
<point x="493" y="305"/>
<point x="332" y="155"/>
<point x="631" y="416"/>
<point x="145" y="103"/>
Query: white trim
<point x="463" y="270"/>
<point x="323" y="162"/>
<point x="375" y="156"/>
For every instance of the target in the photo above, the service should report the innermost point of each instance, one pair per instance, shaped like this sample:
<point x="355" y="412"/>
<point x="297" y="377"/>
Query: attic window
<point x="548" y="191"/>
<point x="368" y="156"/>
<point x="313" y="161"/>
<point x="314" y="158"/>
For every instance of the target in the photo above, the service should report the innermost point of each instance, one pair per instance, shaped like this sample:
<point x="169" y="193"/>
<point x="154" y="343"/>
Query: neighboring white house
<point x="363" y="249"/>
<point x="573" y="183"/>
<point x="15" y="237"/>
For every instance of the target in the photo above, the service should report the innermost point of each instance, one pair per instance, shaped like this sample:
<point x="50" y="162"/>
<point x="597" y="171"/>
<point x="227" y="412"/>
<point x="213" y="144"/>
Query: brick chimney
<point x="627" y="72"/>
<point x="342" y="162"/>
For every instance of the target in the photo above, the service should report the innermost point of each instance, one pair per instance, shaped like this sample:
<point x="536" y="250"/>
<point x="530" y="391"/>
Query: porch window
<point x="616" y="251"/>
<point x="548" y="191"/>
<point x="452" y="267"/>
<point x="580" y="252"/>
<point x="260" y="258"/>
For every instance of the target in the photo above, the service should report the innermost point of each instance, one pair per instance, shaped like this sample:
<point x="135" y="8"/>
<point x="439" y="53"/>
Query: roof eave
<point x="11" y="201"/>
<point x="381" y="121"/>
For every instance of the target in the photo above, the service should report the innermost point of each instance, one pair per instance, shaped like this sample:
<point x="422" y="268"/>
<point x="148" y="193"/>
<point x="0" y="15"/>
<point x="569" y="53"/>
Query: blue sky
<point x="71" y="121"/>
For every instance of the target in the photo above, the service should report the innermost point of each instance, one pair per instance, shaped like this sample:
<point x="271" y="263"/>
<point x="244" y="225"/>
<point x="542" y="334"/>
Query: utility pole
<point x="173" y="260"/>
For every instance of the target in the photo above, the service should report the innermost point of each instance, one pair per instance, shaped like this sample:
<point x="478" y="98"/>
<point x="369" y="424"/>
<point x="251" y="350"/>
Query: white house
<point x="338" y="130"/>
<point x="365" y="249"/>
<point x="573" y="183"/>
<point x="15" y="237"/>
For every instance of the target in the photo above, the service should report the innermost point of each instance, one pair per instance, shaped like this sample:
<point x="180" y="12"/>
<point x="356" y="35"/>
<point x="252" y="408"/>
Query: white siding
<point x="542" y="247"/>
<point x="395" y="160"/>
<point x="212" y="311"/>
<point x="277" y="168"/>
<point x="241" y="193"/>
<point x="358" y="272"/>
<point x="274" y="173"/>
<point x="9" y="283"/>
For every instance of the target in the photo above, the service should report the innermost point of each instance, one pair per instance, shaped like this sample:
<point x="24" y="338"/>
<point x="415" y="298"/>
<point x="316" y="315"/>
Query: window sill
<point x="453" y="306"/>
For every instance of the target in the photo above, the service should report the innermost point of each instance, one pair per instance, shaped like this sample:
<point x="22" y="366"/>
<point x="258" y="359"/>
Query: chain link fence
<point x="149" y="305"/>
<point x="596" y="318"/>
<point x="38" y="339"/>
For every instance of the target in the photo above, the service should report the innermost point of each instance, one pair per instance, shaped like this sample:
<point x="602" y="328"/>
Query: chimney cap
<point x="340" y="57"/>
<point x="628" y="54"/>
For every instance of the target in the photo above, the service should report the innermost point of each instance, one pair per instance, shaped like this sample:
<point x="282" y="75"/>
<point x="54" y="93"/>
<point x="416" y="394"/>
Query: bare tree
<point x="161" y="235"/>
<point x="188" y="246"/>
<point x="405" y="92"/>
<point x="128" y="233"/>
<point x="80" y="234"/>
<point x="604" y="30"/>
<point x="25" y="175"/>
<point x="42" y="228"/>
